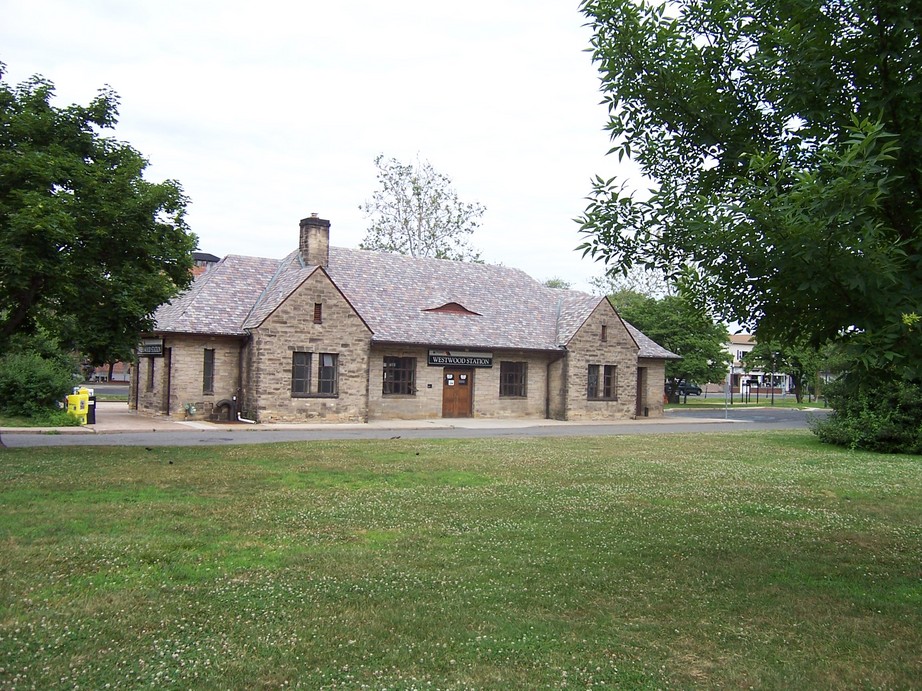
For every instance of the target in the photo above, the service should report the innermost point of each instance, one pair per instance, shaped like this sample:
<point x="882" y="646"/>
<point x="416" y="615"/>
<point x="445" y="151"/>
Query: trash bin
<point x="77" y="405"/>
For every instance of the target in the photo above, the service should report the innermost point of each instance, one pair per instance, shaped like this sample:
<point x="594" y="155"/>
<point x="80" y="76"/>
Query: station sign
<point x="459" y="358"/>
<point x="151" y="347"/>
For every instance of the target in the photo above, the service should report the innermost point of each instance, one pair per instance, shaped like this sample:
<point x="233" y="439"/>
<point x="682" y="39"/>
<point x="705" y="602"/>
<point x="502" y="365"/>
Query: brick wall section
<point x="291" y="328"/>
<point x="587" y="347"/>
<point x="187" y="364"/>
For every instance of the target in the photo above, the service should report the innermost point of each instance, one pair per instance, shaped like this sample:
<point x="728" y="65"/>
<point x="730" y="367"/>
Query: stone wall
<point x="292" y="328"/>
<point x="557" y="381"/>
<point x="487" y="401"/>
<point x="149" y="399"/>
<point x="587" y="347"/>
<point x="182" y="367"/>
<point x="426" y="402"/>
<point x="656" y="378"/>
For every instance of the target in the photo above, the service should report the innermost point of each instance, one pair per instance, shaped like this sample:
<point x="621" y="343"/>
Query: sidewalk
<point x="116" y="417"/>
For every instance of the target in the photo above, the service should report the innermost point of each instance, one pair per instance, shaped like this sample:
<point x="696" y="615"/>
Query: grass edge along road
<point x="761" y="559"/>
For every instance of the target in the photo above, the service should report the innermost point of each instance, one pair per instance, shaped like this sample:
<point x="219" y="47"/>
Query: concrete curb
<point x="145" y="425"/>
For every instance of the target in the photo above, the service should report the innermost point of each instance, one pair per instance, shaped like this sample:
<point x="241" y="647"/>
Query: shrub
<point x="884" y="416"/>
<point x="32" y="385"/>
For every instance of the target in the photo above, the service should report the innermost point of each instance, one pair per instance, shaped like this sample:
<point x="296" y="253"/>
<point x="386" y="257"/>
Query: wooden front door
<point x="457" y="392"/>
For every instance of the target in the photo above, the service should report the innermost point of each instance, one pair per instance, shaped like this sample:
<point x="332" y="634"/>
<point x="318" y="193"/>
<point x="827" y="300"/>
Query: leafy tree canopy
<point x="88" y="247"/>
<point x="677" y="324"/>
<point x="783" y="141"/>
<point x="417" y="212"/>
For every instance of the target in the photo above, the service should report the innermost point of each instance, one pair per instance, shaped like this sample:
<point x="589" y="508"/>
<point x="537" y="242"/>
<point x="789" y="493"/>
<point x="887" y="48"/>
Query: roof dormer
<point x="452" y="308"/>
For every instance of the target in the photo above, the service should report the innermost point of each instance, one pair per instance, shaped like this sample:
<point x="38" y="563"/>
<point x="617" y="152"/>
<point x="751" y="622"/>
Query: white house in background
<point x="755" y="380"/>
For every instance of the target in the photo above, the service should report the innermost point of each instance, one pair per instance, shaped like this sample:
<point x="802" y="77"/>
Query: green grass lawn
<point x="730" y="560"/>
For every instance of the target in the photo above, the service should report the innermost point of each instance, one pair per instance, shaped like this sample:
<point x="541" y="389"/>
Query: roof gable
<point x="291" y="273"/>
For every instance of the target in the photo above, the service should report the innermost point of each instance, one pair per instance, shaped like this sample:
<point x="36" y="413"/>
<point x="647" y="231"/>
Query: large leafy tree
<point x="782" y="141"/>
<point x="681" y="326"/>
<point x="417" y="212"/>
<point x="88" y="247"/>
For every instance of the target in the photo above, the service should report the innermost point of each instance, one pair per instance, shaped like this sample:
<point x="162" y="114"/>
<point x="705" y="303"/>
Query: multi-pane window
<point x="512" y="379"/>
<point x="150" y="373"/>
<point x="300" y="374"/>
<point x="326" y="380"/>
<point x="399" y="376"/>
<point x="603" y="382"/>
<point x="208" y="372"/>
<point x="303" y="374"/>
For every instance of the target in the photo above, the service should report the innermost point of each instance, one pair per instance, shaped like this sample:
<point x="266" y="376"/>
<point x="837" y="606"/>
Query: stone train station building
<point x="334" y="334"/>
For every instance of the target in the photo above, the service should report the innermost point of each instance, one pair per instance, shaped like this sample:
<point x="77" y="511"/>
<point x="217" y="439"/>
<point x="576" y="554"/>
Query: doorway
<point x="641" y="409"/>
<point x="457" y="392"/>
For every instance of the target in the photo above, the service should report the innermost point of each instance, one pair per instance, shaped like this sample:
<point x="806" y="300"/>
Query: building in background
<point x="747" y="379"/>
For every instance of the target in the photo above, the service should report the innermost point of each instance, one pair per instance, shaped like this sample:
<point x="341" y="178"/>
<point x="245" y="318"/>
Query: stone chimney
<point x="315" y="241"/>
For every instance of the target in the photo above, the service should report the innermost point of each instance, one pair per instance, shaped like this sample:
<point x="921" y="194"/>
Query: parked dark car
<point x="689" y="389"/>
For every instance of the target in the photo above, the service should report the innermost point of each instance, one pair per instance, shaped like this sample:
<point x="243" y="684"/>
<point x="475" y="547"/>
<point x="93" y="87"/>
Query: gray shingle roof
<point x="219" y="300"/>
<point x="392" y="293"/>
<point x="648" y="347"/>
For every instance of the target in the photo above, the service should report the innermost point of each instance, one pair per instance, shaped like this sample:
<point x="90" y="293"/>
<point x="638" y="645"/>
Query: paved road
<point x="679" y="421"/>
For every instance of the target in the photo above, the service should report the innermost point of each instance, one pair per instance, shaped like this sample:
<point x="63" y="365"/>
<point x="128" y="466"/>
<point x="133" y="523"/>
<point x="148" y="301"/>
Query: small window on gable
<point x="604" y="332"/>
<point x="318" y="312"/>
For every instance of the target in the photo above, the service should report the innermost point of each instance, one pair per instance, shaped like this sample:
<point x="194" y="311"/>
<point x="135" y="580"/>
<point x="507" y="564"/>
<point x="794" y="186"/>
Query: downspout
<point x="240" y="417"/>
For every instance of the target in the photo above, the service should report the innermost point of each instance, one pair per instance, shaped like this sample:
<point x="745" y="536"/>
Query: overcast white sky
<point x="268" y="111"/>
